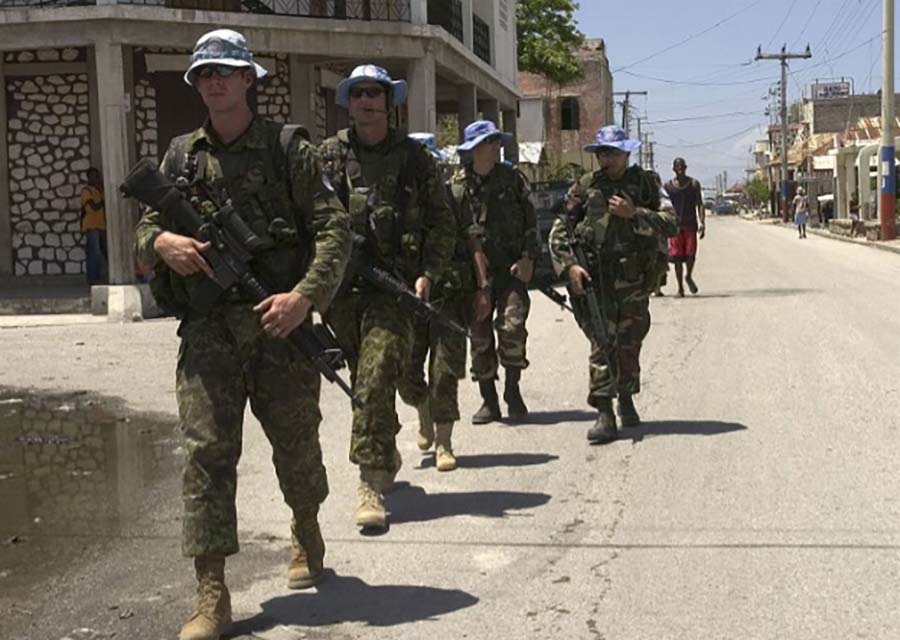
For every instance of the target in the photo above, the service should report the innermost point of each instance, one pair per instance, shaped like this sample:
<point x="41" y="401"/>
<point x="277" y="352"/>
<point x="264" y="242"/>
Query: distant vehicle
<point x="547" y="198"/>
<point x="725" y="208"/>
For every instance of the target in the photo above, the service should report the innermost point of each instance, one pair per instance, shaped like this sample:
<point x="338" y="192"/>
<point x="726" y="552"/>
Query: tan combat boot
<point x="443" y="456"/>
<point x="306" y="568"/>
<point x="425" y="437"/>
<point x="370" y="512"/>
<point x="212" y="615"/>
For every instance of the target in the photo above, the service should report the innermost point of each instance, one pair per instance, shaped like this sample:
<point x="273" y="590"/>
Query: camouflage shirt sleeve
<point x="532" y="245"/>
<point x="649" y="220"/>
<point x="439" y="221"/>
<point x="328" y="222"/>
<point x="560" y="252"/>
<point x="150" y="224"/>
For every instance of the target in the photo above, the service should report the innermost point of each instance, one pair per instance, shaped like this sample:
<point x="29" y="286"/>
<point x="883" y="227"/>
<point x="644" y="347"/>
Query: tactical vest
<point x="259" y="188"/>
<point x="383" y="210"/>
<point x="495" y="207"/>
<point x="615" y="249"/>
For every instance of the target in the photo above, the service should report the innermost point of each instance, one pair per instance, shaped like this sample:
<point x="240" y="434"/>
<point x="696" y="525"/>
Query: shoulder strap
<point x="286" y="136"/>
<point x="407" y="181"/>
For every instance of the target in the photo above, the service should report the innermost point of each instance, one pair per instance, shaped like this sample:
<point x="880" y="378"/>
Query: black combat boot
<point x="604" y="429"/>
<point x="518" y="412"/>
<point x="490" y="409"/>
<point x="627" y="413"/>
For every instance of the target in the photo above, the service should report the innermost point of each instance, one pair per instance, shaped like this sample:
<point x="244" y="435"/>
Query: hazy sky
<point x="709" y="88"/>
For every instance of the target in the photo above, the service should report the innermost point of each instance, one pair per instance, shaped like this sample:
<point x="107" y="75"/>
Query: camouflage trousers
<point x="629" y="323"/>
<point x="377" y="338"/>
<point x="224" y="360"/>
<point x="511" y="306"/>
<point x="445" y="352"/>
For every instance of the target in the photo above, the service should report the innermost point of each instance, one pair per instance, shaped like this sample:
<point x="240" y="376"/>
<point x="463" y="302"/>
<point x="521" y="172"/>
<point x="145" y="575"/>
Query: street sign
<point x="825" y="90"/>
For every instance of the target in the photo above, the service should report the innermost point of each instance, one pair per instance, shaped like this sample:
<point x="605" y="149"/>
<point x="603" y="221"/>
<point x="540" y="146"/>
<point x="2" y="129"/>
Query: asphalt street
<point x="759" y="499"/>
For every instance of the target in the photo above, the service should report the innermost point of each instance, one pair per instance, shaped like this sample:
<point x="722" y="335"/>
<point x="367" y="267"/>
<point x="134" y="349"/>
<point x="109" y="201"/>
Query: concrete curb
<point x="882" y="246"/>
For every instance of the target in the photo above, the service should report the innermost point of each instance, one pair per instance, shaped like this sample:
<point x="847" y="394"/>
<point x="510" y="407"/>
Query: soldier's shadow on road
<point x="494" y="460"/>
<point x="755" y="293"/>
<point x="409" y="503"/>
<point x="339" y="599"/>
<point x="559" y="417"/>
<point x="680" y="428"/>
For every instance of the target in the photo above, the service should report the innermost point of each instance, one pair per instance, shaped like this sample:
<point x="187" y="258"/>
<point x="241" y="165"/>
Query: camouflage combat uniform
<point x="225" y="357"/>
<point x="623" y="256"/>
<point x="506" y="222"/>
<point x="397" y="202"/>
<point x="445" y="350"/>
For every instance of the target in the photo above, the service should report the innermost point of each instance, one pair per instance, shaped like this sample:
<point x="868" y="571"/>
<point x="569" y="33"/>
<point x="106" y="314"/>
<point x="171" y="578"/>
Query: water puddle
<point x="74" y="471"/>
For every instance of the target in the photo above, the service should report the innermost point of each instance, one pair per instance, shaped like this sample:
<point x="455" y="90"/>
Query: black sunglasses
<point x="369" y="92"/>
<point x="221" y="70"/>
<point x="609" y="151"/>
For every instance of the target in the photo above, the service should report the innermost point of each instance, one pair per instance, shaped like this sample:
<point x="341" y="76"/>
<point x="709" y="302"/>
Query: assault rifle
<point x="545" y="286"/>
<point x="230" y="255"/>
<point x="595" y="321"/>
<point x="392" y="284"/>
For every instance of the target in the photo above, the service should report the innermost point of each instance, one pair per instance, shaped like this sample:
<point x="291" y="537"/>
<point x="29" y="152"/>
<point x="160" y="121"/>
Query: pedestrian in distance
<point x="93" y="225"/>
<point x="402" y="223"/>
<point x="801" y="211"/>
<point x="237" y="351"/>
<point x="607" y="250"/>
<point x="687" y="201"/>
<point x="438" y="360"/>
<point x="497" y="195"/>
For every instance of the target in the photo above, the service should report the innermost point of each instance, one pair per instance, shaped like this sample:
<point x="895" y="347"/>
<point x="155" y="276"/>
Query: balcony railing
<point x="390" y="10"/>
<point x="447" y="14"/>
<point x="481" y="39"/>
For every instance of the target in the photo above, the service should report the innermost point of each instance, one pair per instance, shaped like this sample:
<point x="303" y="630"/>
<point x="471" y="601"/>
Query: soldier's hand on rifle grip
<point x="578" y="276"/>
<point x="423" y="288"/>
<point x="182" y="254"/>
<point x="523" y="269"/>
<point x="622" y="206"/>
<point x="283" y="312"/>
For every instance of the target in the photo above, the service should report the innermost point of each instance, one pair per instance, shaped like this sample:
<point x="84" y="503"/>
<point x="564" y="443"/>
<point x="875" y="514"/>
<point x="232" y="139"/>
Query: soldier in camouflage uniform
<point x="616" y="215"/>
<point x="437" y="399"/>
<point x="238" y="351"/>
<point x="401" y="222"/>
<point x="506" y="224"/>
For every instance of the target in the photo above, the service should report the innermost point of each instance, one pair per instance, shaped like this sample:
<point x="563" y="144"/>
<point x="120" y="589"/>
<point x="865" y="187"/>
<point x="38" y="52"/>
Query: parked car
<point x="725" y="208"/>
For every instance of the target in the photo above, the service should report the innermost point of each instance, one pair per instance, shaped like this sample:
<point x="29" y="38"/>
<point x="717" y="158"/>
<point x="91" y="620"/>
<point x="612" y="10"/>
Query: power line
<point x="711" y="142"/>
<point x="689" y="38"/>
<point x="696" y="84"/>
<point x="806" y="26"/>
<point x="783" y="20"/>
<point x="706" y="117"/>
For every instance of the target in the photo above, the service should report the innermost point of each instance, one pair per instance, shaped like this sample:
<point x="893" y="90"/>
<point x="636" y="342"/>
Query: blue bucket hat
<point x="478" y="131"/>
<point x="429" y="142"/>
<point x="612" y="136"/>
<point x="370" y="73"/>
<point x="225" y="47"/>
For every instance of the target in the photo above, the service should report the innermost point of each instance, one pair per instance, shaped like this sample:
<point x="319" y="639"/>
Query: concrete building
<point x="101" y="85"/>
<point x="837" y="114"/>
<point x="566" y="117"/>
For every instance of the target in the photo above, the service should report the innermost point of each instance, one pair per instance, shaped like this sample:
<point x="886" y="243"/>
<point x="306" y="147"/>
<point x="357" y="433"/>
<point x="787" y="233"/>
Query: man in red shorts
<point x="687" y="200"/>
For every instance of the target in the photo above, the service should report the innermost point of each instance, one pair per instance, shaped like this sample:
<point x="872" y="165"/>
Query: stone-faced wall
<point x="48" y="140"/>
<point x="145" y="121"/>
<point x="273" y="99"/>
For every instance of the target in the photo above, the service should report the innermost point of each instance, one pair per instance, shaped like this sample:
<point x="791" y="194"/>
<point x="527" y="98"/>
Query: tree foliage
<point x="758" y="189"/>
<point x="548" y="38"/>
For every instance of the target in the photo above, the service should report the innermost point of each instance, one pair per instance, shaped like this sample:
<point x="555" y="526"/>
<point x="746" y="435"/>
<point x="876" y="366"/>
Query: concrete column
<point x="422" y="88"/>
<point x="303" y="98"/>
<point x="467" y="23"/>
<point x="468" y="107"/>
<point x="511" y="150"/>
<point x="6" y="252"/>
<point x="490" y="110"/>
<point x="418" y="10"/>
<point x="114" y="143"/>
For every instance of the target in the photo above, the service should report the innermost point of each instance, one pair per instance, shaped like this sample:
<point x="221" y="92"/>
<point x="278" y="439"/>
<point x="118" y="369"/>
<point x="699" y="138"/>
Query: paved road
<point x="759" y="500"/>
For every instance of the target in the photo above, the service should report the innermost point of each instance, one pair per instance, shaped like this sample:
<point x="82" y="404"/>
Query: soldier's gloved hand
<point x="523" y="269"/>
<point x="578" y="276"/>
<point x="283" y="312"/>
<point x="423" y="287"/>
<point x="182" y="253"/>
<point x="622" y="206"/>
<point x="483" y="306"/>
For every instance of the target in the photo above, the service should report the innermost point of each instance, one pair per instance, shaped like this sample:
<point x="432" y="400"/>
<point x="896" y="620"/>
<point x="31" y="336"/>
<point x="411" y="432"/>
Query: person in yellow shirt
<point x="93" y="225"/>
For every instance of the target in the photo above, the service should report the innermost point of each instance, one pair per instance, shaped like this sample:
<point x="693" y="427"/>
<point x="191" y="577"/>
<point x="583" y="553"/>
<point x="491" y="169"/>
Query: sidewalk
<point x="892" y="246"/>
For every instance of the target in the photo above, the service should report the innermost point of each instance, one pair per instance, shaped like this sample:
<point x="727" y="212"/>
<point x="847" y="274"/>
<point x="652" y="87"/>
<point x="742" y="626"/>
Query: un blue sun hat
<point x="612" y="136"/>
<point x="370" y="73"/>
<point x="478" y="131"/>
<point x="429" y="142"/>
<point x="225" y="47"/>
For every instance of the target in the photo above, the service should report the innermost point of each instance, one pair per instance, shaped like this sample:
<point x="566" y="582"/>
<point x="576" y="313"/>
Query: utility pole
<point x="641" y="148"/>
<point x="725" y="181"/>
<point x="784" y="56"/>
<point x="626" y="107"/>
<point x="888" y="199"/>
